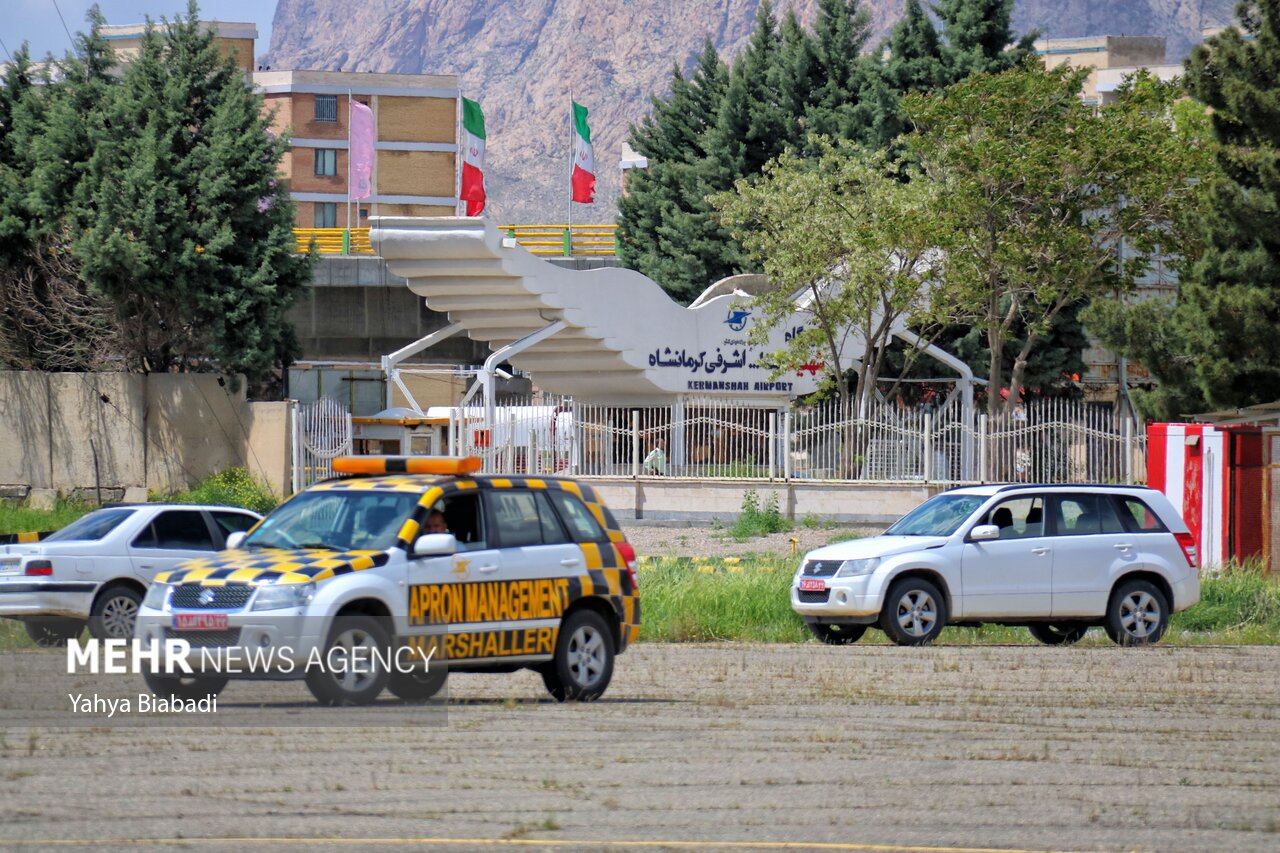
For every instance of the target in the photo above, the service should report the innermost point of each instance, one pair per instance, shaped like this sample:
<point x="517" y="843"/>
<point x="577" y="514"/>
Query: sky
<point x="37" y="22"/>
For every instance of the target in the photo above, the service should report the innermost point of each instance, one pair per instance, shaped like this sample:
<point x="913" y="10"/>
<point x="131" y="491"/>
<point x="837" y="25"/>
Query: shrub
<point x="755" y="520"/>
<point x="232" y="487"/>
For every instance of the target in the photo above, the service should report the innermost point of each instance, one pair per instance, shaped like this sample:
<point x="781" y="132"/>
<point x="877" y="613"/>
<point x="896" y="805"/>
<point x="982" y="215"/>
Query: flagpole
<point x="571" y="163"/>
<point x="458" y="209"/>
<point x="349" y="151"/>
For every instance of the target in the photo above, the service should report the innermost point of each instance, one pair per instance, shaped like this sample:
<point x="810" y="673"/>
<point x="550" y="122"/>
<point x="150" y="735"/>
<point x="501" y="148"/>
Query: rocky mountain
<point x="523" y="59"/>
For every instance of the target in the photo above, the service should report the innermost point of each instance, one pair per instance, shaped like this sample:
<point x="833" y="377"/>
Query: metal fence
<point x="1050" y="441"/>
<point x="321" y="432"/>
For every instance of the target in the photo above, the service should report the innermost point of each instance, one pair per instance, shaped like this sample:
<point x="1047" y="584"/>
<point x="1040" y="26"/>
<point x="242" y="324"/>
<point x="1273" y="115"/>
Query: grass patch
<point x="680" y="603"/>
<point x="17" y="519"/>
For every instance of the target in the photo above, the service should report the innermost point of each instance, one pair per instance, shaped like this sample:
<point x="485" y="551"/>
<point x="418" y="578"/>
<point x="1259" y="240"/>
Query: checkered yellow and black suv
<point x="398" y="572"/>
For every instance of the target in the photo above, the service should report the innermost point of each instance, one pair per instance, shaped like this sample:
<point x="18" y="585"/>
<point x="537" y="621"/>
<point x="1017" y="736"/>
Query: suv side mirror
<point x="435" y="545"/>
<point x="235" y="540"/>
<point x="984" y="533"/>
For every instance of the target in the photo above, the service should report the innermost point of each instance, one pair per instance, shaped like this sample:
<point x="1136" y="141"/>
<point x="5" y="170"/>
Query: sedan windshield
<point x="941" y="515"/>
<point x="336" y="521"/>
<point x="91" y="527"/>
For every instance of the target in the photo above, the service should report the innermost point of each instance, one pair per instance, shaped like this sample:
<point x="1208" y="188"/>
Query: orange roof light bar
<point x="406" y="464"/>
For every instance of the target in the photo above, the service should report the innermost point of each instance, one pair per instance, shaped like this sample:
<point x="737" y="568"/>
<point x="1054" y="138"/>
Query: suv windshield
<point x="941" y="515"/>
<point x="336" y="520"/>
<point x="91" y="527"/>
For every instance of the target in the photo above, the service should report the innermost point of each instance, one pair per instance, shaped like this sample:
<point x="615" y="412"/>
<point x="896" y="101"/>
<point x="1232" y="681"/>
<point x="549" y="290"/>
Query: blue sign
<point x="737" y="319"/>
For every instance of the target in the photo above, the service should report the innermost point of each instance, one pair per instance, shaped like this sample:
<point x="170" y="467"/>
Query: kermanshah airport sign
<point x="611" y="335"/>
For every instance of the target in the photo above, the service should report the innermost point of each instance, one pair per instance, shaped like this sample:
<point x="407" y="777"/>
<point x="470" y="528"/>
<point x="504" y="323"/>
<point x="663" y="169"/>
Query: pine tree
<point x="840" y="33"/>
<point x="797" y="78"/>
<point x="751" y="128"/>
<point x="1229" y="303"/>
<point x="979" y="38"/>
<point x="915" y="62"/>
<point x="186" y="229"/>
<point x="665" y="225"/>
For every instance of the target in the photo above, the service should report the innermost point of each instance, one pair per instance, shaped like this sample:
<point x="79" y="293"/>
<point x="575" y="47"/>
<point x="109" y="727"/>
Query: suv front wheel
<point x="1137" y="614"/>
<point x="914" y="612"/>
<point x="351" y="673"/>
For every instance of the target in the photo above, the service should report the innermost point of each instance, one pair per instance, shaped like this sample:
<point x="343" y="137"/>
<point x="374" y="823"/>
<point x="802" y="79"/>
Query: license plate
<point x="812" y="584"/>
<point x="200" y="621"/>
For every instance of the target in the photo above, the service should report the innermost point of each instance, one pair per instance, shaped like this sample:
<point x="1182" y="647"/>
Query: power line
<point x="65" y="28"/>
<point x="6" y="50"/>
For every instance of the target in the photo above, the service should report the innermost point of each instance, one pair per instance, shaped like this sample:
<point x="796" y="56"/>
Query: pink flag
<point x="361" y="149"/>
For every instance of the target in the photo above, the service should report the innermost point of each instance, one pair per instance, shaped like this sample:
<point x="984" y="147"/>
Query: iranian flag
<point x="584" y="161"/>
<point x="472" y="157"/>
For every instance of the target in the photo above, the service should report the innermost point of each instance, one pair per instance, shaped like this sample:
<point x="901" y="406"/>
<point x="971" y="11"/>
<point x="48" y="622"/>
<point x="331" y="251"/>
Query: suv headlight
<point x="854" y="568"/>
<point x="273" y="597"/>
<point x="158" y="596"/>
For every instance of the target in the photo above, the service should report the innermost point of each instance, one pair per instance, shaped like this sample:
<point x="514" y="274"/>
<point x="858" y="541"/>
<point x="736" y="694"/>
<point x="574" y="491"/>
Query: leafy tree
<point x="1037" y="196"/>
<point x="185" y="228"/>
<point x="854" y="258"/>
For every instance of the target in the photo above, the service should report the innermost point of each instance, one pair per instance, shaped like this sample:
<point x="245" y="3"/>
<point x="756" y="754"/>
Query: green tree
<point x="1229" y="301"/>
<point x="840" y="33"/>
<point x="854" y="259"/>
<point x="751" y="127"/>
<point x="980" y="39"/>
<point x="185" y="227"/>
<point x="666" y="228"/>
<point x="1037" y="196"/>
<point x="915" y="60"/>
<point x="50" y="318"/>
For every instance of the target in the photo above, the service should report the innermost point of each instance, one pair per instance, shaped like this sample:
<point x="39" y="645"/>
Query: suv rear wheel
<point x="914" y="612"/>
<point x="583" y="664"/>
<point x="1137" y="614"/>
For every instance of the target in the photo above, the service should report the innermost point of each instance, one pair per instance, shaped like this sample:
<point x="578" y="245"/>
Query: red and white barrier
<point x="1188" y="462"/>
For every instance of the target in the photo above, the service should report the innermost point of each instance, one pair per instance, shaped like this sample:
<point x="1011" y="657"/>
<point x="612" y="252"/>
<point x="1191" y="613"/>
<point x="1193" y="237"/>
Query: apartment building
<point x="415" y="151"/>
<point x="232" y="37"/>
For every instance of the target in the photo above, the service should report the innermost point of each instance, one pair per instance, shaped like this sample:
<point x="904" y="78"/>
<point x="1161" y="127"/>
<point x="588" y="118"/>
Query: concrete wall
<point x="73" y="432"/>
<point x="356" y="310"/>
<point x="702" y="500"/>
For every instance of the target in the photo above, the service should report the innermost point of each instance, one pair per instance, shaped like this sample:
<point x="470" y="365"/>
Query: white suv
<point x="1056" y="559"/>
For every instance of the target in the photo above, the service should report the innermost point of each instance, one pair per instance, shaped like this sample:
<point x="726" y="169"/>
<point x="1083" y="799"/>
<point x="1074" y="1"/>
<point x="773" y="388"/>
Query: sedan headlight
<point x="158" y="596"/>
<point x="854" y="568"/>
<point x="273" y="597"/>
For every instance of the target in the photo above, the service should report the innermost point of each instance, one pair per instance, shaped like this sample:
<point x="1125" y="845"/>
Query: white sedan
<point x="97" y="568"/>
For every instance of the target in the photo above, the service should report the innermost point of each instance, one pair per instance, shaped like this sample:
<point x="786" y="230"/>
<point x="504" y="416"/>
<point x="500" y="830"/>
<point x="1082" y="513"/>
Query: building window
<point x="327" y="214"/>
<point x="326" y="107"/>
<point x="326" y="161"/>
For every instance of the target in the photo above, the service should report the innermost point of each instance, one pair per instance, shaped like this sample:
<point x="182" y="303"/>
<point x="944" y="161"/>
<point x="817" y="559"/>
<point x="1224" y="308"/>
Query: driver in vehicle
<point x="436" y="522"/>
